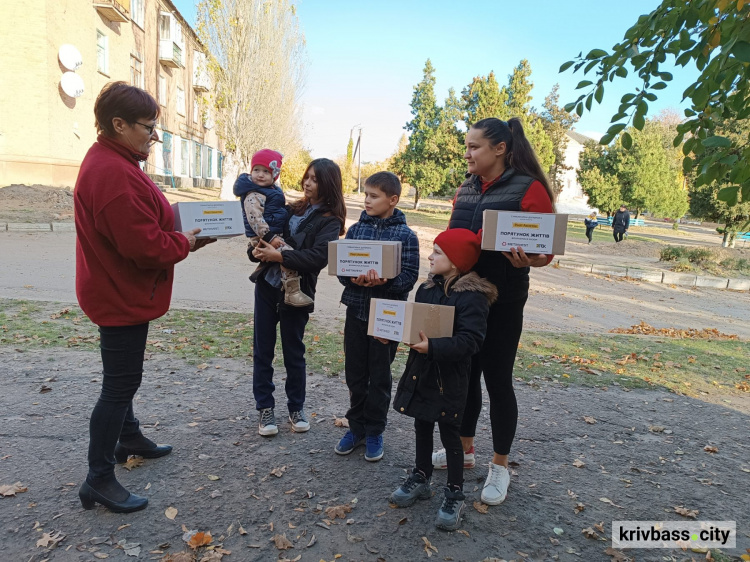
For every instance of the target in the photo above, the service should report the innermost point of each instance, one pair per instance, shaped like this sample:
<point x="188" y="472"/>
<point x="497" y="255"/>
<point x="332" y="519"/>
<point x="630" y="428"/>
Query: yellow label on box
<point x="359" y="254"/>
<point x="525" y="225"/>
<point x="389" y="312"/>
<point x="213" y="212"/>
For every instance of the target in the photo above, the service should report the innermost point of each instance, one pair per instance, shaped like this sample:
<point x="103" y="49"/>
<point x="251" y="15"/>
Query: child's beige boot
<point x="293" y="295"/>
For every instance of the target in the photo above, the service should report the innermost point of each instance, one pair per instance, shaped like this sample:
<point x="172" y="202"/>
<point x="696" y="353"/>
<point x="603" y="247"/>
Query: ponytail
<point x="520" y="154"/>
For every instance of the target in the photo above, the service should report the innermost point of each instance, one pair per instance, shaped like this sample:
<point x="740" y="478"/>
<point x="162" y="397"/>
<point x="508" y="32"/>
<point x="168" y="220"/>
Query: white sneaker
<point x="496" y="486"/>
<point x="267" y="422"/>
<point x="299" y="421"/>
<point x="440" y="460"/>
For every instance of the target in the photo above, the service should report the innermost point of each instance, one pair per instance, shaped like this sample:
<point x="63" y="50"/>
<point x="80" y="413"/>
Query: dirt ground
<point x="643" y="457"/>
<point x="644" y="453"/>
<point x="35" y="203"/>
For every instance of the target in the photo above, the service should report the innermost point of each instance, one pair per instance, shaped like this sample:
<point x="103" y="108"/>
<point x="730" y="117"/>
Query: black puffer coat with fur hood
<point x="434" y="385"/>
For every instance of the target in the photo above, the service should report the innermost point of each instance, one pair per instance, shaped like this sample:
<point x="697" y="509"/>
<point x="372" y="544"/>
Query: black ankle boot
<point x="112" y="495"/>
<point x="141" y="446"/>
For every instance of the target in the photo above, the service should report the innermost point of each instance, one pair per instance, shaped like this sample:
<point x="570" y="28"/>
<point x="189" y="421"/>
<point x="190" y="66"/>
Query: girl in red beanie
<point x="435" y="383"/>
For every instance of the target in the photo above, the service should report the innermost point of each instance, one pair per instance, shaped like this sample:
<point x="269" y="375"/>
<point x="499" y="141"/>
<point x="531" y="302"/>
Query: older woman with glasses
<point x="126" y="250"/>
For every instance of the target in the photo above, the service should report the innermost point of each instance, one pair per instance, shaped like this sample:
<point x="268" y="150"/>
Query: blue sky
<point x="364" y="59"/>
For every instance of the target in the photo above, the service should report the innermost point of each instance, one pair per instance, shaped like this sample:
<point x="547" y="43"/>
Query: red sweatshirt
<point x="126" y="247"/>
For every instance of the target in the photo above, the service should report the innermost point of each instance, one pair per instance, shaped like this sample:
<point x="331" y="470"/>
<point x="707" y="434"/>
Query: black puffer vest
<point x="505" y="194"/>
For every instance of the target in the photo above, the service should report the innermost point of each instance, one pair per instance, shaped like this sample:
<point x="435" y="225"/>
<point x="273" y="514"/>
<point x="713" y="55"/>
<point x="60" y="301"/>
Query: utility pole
<point x="358" y="153"/>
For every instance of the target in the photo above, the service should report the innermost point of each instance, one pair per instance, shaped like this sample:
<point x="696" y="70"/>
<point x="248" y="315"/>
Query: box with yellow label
<point x="402" y="321"/>
<point x="352" y="258"/>
<point x="217" y="219"/>
<point x="536" y="233"/>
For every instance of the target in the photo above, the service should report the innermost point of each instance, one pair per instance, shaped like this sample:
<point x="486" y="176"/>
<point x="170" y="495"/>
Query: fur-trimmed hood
<point x="469" y="282"/>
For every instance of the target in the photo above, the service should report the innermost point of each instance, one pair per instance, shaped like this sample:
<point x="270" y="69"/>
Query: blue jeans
<point x="122" y="349"/>
<point x="292" y="325"/>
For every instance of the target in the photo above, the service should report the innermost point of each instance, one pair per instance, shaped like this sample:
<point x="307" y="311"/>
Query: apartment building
<point x="55" y="57"/>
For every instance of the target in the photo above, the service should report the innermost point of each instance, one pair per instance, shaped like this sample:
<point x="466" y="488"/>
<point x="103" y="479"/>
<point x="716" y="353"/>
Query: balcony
<point x="113" y="10"/>
<point x="200" y="81"/>
<point x="170" y="53"/>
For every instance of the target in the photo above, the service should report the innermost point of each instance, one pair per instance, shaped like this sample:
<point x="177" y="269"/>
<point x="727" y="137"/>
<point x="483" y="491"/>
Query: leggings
<point x="122" y="349"/>
<point x="449" y="436"/>
<point x="496" y="360"/>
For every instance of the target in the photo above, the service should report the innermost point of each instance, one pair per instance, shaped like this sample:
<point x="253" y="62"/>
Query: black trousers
<point x="618" y="234"/>
<point x="122" y="349"/>
<point x="292" y="324"/>
<point x="496" y="360"/>
<point x="367" y="365"/>
<point x="449" y="436"/>
<point x="590" y="232"/>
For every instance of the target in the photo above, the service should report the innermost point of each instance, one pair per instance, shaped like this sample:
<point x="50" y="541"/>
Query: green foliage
<point x="598" y="177"/>
<point x="293" y="168"/>
<point x="519" y="90"/>
<point x="483" y="98"/>
<point x="557" y="122"/>
<point x="714" y="37"/>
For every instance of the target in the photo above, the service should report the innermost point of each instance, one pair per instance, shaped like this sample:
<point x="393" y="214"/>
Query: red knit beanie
<point x="268" y="158"/>
<point x="461" y="246"/>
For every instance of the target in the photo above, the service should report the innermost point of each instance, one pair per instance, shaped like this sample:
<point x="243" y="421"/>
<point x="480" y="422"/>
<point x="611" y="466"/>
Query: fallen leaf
<point x="194" y="539"/>
<point x="51" y="539"/>
<point x="171" y="513"/>
<point x="279" y="471"/>
<point x="481" y="507"/>
<point x="338" y="511"/>
<point x="428" y="548"/>
<point x="711" y="449"/>
<point x="133" y="462"/>
<point x="340" y="422"/>
<point x="616" y="555"/>
<point x="371" y="550"/>
<point x="214" y="477"/>
<point x="589" y="420"/>
<point x="313" y="540"/>
<point x="692" y="513"/>
<point x="558" y="531"/>
<point x="579" y="507"/>
<point x="578" y="463"/>
<point x="599" y="527"/>
<point x="281" y="542"/>
<point x="403" y="520"/>
<point x="610" y="502"/>
<point x="12" y="489"/>
<point x="241" y="530"/>
<point x="463" y="532"/>
<point x="589" y="533"/>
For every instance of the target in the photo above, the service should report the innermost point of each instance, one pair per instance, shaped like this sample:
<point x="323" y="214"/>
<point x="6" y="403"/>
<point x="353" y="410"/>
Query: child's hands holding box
<point x="369" y="279"/>
<point x="423" y="346"/>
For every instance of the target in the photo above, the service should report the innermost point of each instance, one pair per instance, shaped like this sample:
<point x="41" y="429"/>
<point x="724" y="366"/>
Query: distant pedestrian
<point x="620" y="223"/>
<point x="591" y="223"/>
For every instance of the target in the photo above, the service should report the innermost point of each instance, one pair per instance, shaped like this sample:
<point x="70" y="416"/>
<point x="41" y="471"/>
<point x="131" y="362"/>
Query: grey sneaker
<point x="449" y="514"/>
<point x="416" y="487"/>
<point x="299" y="421"/>
<point x="267" y="422"/>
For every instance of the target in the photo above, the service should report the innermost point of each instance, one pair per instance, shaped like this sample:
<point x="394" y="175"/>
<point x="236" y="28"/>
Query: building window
<point x="136" y="12"/>
<point x="196" y="110"/>
<point x="102" y="52"/>
<point x="165" y="26"/>
<point x="180" y="101"/>
<point x="210" y="165"/>
<point x="162" y="90"/>
<point x="197" y="151"/>
<point x="136" y="72"/>
<point x="184" y="157"/>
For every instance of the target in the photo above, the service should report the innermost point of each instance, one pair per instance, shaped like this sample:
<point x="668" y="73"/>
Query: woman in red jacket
<point x="126" y="249"/>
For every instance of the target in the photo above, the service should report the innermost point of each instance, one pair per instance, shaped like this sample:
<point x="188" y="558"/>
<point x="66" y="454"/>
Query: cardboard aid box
<point x="218" y="219"/>
<point x="536" y="233"/>
<point x="401" y="321"/>
<point x="351" y="258"/>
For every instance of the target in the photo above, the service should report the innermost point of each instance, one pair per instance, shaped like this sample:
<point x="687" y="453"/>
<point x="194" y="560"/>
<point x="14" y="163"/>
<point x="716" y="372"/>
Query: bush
<point x="699" y="254"/>
<point x="672" y="253"/>
<point x="684" y="266"/>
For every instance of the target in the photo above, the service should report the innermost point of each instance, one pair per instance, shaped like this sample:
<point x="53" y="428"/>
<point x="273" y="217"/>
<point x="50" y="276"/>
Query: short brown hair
<point x="118" y="99"/>
<point x="387" y="182"/>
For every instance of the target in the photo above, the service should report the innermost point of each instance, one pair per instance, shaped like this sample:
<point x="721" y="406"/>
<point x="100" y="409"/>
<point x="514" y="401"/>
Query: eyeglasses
<point x="149" y="128"/>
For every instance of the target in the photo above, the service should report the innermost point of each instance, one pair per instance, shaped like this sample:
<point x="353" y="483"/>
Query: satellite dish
<point x="70" y="57"/>
<point x="72" y="84"/>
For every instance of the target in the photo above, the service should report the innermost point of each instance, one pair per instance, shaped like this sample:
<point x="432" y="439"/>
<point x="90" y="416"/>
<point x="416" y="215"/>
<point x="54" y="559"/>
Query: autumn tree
<point x="557" y="123"/>
<point x="255" y="59"/>
<point x="483" y="98"/>
<point x="712" y="36"/>
<point x="598" y="177"/>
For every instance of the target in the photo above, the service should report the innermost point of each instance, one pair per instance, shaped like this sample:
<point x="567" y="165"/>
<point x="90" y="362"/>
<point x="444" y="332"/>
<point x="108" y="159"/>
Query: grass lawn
<point x="687" y="366"/>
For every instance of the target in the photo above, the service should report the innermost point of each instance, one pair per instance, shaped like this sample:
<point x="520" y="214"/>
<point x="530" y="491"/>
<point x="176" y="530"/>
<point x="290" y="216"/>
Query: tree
<point x="293" y="168"/>
<point x="420" y="164"/>
<point x="557" y="123"/>
<point x="483" y="98"/>
<point x="713" y="36"/>
<point x="450" y="141"/>
<point x="704" y="199"/>
<point x="348" y="178"/>
<point x="255" y="61"/>
<point x="519" y="90"/>
<point x="598" y="177"/>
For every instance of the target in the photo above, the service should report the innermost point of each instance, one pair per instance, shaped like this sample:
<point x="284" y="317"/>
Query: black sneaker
<point x="267" y="423"/>
<point x="299" y="421"/>
<point x="416" y="487"/>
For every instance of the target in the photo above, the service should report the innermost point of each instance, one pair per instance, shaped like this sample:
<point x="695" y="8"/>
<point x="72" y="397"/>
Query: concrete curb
<point x="38" y="226"/>
<point x="656" y="276"/>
